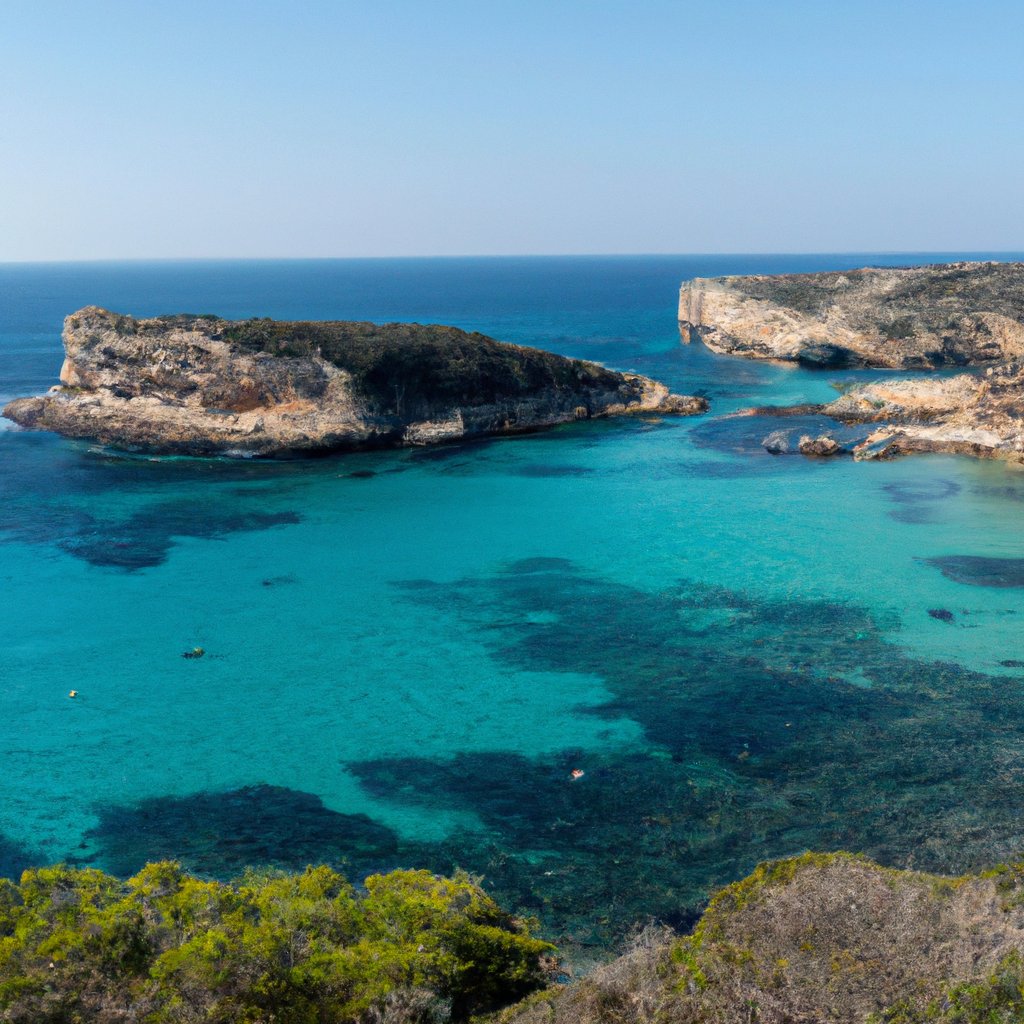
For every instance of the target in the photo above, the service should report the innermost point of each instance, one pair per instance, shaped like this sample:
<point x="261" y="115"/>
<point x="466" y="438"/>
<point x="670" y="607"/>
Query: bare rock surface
<point x="777" y="442"/>
<point x="819" y="446"/>
<point x="969" y="414"/>
<point x="957" y="314"/>
<point x="201" y="385"/>
<point x="822" y="937"/>
<point x="979" y="414"/>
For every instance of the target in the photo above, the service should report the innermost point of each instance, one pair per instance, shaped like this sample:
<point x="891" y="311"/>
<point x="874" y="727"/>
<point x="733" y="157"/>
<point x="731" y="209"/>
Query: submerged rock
<point x="981" y="570"/>
<point x="777" y="442"/>
<point x="819" y="937"/>
<point x="956" y="314"/>
<point x="201" y="385"/>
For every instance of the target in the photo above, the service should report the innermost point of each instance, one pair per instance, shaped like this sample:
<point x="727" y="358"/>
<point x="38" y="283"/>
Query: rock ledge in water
<point x="977" y="414"/>
<point x="819" y="446"/>
<point x="207" y="386"/>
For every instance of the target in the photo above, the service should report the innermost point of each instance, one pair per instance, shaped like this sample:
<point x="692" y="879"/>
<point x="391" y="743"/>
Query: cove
<point x="408" y="653"/>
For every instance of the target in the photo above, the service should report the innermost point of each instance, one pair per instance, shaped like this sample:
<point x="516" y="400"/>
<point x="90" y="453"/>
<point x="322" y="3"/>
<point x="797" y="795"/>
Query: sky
<point x="265" y="128"/>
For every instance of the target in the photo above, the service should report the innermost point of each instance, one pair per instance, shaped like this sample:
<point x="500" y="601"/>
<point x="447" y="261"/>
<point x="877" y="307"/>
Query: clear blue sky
<point x="417" y="127"/>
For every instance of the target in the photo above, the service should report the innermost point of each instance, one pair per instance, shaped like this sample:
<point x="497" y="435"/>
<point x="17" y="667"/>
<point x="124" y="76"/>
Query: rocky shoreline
<point x="201" y="385"/>
<point x="968" y="414"/>
<point x="921" y="318"/>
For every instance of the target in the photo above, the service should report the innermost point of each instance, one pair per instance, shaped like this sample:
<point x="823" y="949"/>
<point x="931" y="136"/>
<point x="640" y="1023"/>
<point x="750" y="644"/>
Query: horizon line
<point x="511" y="256"/>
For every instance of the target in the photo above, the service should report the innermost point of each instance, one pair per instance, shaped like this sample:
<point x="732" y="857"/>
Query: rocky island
<point x="956" y="314"/>
<point x="202" y="385"/>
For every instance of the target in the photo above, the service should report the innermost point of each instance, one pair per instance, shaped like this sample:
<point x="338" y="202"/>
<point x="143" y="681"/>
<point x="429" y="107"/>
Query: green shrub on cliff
<point x="406" y="370"/>
<point x="80" y="945"/>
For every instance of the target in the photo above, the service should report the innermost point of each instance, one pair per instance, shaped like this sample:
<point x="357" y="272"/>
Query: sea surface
<point x="408" y="653"/>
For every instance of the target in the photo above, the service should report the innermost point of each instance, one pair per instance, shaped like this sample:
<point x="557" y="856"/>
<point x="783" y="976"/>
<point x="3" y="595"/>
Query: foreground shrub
<point x="80" y="945"/>
<point x="823" y="937"/>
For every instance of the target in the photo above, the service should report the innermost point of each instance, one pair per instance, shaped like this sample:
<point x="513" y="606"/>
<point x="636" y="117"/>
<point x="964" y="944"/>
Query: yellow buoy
<point x="73" y="693"/>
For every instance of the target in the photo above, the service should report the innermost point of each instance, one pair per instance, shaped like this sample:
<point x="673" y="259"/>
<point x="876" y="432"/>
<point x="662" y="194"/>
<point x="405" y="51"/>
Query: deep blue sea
<point x="409" y="652"/>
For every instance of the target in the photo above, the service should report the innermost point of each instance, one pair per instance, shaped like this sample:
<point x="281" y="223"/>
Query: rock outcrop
<point x="201" y="385"/>
<point x="969" y="414"/>
<point x="958" y="314"/>
<point x="822" y="937"/>
<point x="979" y="414"/>
<point x="819" y="447"/>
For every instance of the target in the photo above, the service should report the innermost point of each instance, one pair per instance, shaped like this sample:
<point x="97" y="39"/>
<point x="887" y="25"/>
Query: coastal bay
<point x="408" y="652"/>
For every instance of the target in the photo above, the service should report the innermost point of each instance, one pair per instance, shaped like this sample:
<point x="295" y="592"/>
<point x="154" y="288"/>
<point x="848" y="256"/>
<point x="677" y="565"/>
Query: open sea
<point x="409" y="652"/>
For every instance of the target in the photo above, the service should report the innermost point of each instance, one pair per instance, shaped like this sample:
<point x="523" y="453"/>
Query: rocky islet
<point x="201" y="385"/>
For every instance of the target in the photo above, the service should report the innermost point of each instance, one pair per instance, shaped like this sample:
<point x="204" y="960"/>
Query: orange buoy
<point x="577" y="774"/>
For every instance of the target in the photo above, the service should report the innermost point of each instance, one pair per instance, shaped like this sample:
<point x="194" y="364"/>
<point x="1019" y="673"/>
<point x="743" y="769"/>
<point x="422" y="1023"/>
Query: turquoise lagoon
<point x="408" y="652"/>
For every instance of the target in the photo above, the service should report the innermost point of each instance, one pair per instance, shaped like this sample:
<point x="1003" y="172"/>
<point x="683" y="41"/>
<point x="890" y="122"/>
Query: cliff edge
<point x="201" y="385"/>
<point x="956" y="314"/>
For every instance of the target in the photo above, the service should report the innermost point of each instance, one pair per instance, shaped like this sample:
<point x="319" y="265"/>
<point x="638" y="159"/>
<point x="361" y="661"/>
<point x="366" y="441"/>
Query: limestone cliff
<point x="203" y="385"/>
<point x="957" y="314"/>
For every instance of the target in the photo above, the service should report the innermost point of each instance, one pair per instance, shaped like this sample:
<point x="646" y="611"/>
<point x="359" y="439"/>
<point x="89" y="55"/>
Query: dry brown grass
<point x="818" y="938"/>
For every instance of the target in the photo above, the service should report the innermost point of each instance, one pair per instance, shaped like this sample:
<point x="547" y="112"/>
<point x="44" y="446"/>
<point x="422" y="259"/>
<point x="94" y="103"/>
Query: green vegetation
<point x="815" y="937"/>
<point x="406" y="369"/>
<point x="805" y="293"/>
<point x="163" y="946"/>
<point x="935" y="294"/>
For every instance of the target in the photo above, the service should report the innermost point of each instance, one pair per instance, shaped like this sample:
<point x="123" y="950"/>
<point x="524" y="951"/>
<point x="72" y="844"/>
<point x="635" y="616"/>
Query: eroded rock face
<point x="203" y="385"/>
<point x="819" y="447"/>
<point x="958" y="314"/>
<point x="979" y="414"/>
<point x="969" y="414"/>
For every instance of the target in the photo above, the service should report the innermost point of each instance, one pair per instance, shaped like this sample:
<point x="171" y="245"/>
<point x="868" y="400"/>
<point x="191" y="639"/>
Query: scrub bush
<point x="79" y="945"/>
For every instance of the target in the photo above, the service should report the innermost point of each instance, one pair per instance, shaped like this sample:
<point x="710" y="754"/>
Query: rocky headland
<point x="201" y="385"/>
<point x="957" y="314"/>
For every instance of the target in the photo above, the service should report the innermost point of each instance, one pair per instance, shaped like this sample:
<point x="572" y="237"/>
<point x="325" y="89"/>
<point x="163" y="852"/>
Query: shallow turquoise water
<point x="404" y="666"/>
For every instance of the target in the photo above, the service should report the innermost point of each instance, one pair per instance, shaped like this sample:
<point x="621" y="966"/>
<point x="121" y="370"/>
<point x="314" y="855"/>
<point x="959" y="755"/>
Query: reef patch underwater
<point x="772" y="727"/>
